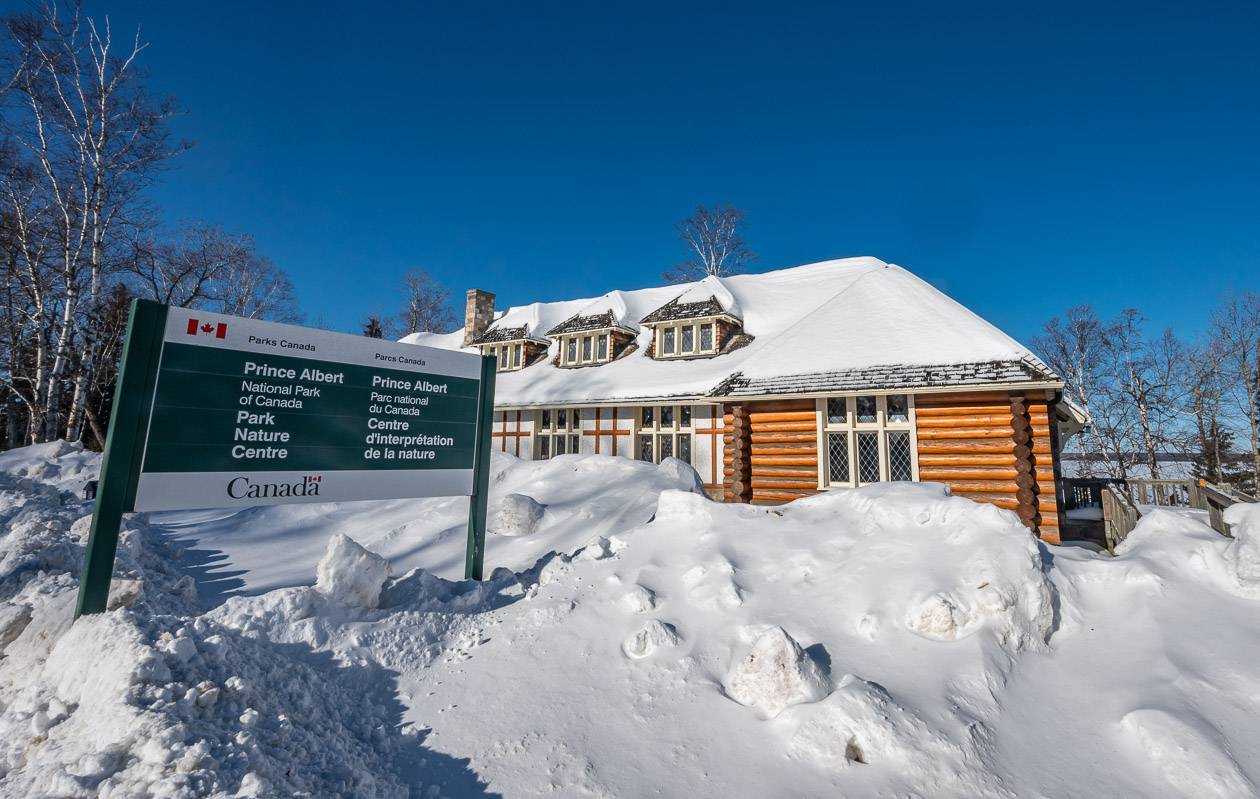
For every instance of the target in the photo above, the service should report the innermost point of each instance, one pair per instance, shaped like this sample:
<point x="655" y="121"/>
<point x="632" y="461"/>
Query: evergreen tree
<point x="372" y="327"/>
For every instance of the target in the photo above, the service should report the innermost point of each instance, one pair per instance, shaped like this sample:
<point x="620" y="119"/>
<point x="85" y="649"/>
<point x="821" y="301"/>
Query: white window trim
<point x="656" y="430"/>
<point x="852" y="427"/>
<point x="677" y="327"/>
<point x="566" y="431"/>
<point x="512" y="348"/>
<point x="579" y="338"/>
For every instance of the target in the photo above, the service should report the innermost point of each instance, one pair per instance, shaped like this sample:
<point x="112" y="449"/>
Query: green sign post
<point x="220" y="411"/>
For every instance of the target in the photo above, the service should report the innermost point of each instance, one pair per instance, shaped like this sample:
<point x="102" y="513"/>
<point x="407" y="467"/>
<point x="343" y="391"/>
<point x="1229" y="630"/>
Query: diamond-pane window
<point x="644" y="449"/>
<point x="899" y="456"/>
<point x="837" y="410"/>
<point x="571" y="351"/>
<point x="603" y="347"/>
<point x="684" y="416"/>
<point x="575" y="444"/>
<point x="838" y="457"/>
<point x="546" y="420"/>
<point x="559" y="445"/>
<point x="868" y="457"/>
<point x="684" y="448"/>
<point x="647" y="416"/>
<point x="544" y="448"/>
<point x="866" y="410"/>
<point x="688" y="341"/>
<point x="667" y="341"/>
<point x="706" y="337"/>
<point x="898" y="408"/>
<point x="516" y="357"/>
<point x="575" y="422"/>
<point x="665" y="444"/>
<point x="667" y="416"/>
<point x="586" y="348"/>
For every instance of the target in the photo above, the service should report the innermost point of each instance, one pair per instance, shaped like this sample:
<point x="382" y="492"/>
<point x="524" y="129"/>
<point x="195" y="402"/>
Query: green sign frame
<point x="132" y="433"/>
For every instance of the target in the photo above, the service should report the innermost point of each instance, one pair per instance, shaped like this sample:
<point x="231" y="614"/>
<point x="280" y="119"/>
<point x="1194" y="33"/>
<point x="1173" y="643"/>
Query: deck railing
<point x="1121" y="501"/>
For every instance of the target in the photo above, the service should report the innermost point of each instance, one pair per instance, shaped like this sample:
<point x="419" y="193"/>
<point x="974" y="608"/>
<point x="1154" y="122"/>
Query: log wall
<point x="991" y="447"/>
<point x="770" y="451"/>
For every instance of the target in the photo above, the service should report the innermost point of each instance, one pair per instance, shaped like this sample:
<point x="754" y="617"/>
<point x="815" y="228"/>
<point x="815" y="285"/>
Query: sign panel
<point x="247" y="412"/>
<point x="217" y="411"/>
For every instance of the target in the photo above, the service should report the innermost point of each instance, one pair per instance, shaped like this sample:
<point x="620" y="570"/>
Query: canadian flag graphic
<point x="196" y="328"/>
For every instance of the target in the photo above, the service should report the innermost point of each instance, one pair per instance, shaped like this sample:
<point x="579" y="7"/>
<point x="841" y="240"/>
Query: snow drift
<point x="635" y="638"/>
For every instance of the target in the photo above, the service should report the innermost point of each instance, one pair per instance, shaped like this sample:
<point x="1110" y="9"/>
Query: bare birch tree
<point x="714" y="242"/>
<point x="426" y="305"/>
<point x="1236" y="327"/>
<point x="93" y="138"/>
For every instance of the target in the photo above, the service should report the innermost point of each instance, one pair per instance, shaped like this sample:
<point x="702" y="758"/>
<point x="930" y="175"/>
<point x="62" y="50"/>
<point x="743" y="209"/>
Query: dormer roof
<point x="708" y="297"/>
<point x="608" y="311"/>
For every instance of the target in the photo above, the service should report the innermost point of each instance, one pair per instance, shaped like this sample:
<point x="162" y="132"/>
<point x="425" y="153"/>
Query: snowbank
<point x="887" y="641"/>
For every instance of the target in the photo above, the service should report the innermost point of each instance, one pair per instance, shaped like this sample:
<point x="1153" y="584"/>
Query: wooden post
<point x="741" y="454"/>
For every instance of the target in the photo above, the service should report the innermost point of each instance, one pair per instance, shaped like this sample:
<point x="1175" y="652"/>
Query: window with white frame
<point x="559" y="431"/>
<point x="865" y="439"/>
<point x="664" y="431"/>
<point x="585" y="349"/>
<point x="687" y="338"/>
<point x="508" y="356"/>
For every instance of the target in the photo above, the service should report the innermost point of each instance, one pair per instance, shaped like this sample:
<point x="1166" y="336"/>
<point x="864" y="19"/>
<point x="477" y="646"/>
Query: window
<point x="866" y="439"/>
<point x="585" y="350"/>
<point x="507" y="356"/>
<point x="664" y="432"/>
<point x="685" y="338"/>
<point x="559" y="432"/>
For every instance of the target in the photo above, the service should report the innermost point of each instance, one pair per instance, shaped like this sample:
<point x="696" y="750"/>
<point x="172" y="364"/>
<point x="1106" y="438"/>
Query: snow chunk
<point x="1243" y="553"/>
<point x="654" y="636"/>
<point x="516" y="515"/>
<point x="775" y="674"/>
<point x="350" y="574"/>
<point x="1187" y="754"/>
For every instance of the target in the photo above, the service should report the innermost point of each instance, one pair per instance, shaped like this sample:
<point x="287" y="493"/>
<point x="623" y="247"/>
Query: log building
<point x="781" y="385"/>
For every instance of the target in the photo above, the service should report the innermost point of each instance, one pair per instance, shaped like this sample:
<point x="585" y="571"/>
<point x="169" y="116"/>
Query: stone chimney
<point x="478" y="314"/>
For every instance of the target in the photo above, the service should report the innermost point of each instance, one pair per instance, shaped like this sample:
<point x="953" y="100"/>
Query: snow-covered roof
<point x="807" y="322"/>
<point x="707" y="297"/>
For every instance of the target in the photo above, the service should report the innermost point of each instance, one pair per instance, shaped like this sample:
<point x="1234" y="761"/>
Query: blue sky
<point x="1021" y="157"/>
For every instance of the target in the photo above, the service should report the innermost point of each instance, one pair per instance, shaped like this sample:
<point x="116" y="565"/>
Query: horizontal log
<point x="962" y="409"/>
<point x="784" y="438"/>
<point x="774" y="406"/>
<point x="958" y="397"/>
<point x="783" y="416"/>
<point x="980" y="486"/>
<point x="1027" y="496"/>
<point x="965" y="420"/>
<point x="966" y="473"/>
<point x="965" y="446"/>
<point x="784" y="460"/>
<point x="802" y="472"/>
<point x="781" y="483"/>
<point x="783" y="427"/>
<point x="1026" y="513"/>
<point x="1006" y="501"/>
<point x="970" y="459"/>
<point x="778" y="495"/>
<point x="964" y="432"/>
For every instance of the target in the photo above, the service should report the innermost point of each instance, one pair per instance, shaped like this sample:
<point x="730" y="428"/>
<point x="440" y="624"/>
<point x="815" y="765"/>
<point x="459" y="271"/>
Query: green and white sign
<point x="221" y="411"/>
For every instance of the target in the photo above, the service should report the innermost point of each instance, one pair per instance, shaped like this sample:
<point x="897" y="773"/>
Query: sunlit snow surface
<point x="889" y="641"/>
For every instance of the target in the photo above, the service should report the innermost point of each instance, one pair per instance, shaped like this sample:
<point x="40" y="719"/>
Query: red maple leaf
<point x="207" y="328"/>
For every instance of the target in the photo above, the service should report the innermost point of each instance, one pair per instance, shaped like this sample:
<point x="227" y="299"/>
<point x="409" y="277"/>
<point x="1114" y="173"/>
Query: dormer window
<point x="584" y="350"/>
<point x="591" y="339"/>
<point x="512" y="348"/>
<point x="685" y="339"/>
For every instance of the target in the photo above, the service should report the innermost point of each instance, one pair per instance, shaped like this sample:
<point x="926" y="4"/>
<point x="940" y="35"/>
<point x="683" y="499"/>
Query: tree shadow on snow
<point x="414" y="764"/>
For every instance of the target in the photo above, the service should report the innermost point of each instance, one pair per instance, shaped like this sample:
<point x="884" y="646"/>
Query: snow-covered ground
<point x="636" y="640"/>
